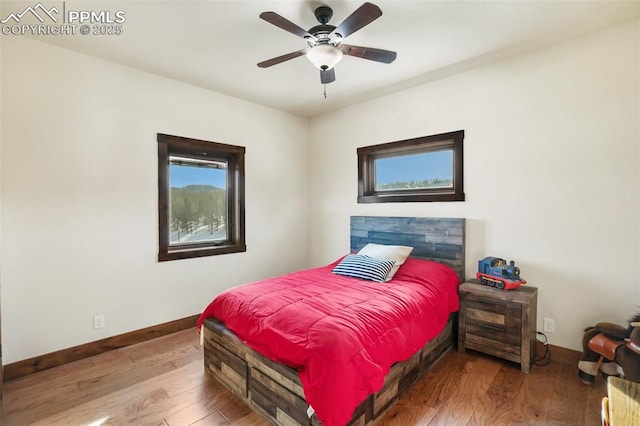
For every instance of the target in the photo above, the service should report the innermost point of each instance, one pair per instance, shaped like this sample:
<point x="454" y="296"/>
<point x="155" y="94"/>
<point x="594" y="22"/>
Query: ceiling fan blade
<point x="328" y="76"/>
<point x="281" y="22"/>
<point x="371" y="53"/>
<point x="279" y="59"/>
<point x="362" y="16"/>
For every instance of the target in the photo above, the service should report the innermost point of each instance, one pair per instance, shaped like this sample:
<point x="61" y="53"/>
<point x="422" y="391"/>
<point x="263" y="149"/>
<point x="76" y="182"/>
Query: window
<point x="414" y="170"/>
<point x="200" y="198"/>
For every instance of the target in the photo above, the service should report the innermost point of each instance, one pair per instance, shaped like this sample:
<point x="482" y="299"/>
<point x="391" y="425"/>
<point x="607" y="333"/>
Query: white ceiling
<point x="216" y="44"/>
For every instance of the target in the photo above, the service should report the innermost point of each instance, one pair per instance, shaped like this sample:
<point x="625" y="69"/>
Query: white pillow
<point x="381" y="251"/>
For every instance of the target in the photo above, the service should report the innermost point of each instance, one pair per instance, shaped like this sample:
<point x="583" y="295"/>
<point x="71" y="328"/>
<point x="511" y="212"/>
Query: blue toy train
<point x="495" y="272"/>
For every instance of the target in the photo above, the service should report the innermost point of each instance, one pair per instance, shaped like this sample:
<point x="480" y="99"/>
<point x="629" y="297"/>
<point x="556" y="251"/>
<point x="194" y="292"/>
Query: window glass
<point x="415" y="171"/>
<point x="198" y="207"/>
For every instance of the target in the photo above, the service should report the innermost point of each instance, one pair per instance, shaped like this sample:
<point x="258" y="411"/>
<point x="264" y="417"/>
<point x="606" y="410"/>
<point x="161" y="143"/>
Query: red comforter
<point x="342" y="334"/>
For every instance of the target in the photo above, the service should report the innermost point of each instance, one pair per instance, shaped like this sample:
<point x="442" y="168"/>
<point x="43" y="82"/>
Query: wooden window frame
<point x="204" y="150"/>
<point x="367" y="173"/>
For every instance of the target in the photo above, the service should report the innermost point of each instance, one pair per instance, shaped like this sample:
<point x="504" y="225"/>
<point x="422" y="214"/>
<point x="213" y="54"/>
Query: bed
<point x="272" y="385"/>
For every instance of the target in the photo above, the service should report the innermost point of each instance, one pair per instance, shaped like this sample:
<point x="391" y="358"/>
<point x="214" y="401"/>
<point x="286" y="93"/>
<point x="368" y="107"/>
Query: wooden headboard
<point x="439" y="239"/>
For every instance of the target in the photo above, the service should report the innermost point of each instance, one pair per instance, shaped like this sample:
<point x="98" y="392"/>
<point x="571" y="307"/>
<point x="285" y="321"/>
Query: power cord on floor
<point x="546" y="356"/>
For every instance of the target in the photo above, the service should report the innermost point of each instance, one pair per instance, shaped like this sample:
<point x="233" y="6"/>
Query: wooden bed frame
<point x="274" y="390"/>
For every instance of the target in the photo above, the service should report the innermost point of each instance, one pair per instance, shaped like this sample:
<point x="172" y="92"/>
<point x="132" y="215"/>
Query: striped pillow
<point x="364" y="267"/>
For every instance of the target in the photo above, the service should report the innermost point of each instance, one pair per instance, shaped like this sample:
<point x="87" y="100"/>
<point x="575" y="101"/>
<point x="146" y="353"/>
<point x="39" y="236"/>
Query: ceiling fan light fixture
<point x="324" y="56"/>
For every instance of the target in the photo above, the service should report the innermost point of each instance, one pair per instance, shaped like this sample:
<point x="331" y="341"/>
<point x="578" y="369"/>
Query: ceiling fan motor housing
<point x="323" y="32"/>
<point x="323" y="14"/>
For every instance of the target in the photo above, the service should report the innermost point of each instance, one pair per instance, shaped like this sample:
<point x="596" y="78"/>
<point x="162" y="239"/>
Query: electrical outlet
<point x="98" y="322"/>
<point x="549" y="325"/>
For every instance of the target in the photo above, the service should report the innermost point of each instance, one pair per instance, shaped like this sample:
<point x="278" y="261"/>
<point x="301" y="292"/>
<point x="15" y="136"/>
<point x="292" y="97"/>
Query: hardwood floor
<point x="162" y="382"/>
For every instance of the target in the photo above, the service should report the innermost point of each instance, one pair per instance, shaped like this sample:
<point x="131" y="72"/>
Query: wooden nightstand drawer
<point x="498" y="322"/>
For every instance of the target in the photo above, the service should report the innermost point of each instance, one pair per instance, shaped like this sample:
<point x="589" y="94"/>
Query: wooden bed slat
<point x="276" y="400"/>
<point x="226" y="367"/>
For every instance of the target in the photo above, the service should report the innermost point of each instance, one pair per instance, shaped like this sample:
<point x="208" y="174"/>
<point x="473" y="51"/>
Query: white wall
<point x="79" y="197"/>
<point x="551" y="171"/>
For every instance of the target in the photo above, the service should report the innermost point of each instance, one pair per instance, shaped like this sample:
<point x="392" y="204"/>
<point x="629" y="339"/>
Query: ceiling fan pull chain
<point x="325" y="91"/>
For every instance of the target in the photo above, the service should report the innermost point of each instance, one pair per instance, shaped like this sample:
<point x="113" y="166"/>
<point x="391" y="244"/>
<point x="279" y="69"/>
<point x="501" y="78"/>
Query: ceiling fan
<point x="325" y="48"/>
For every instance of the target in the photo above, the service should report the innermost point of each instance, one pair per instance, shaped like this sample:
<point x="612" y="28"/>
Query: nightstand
<point x="501" y="323"/>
